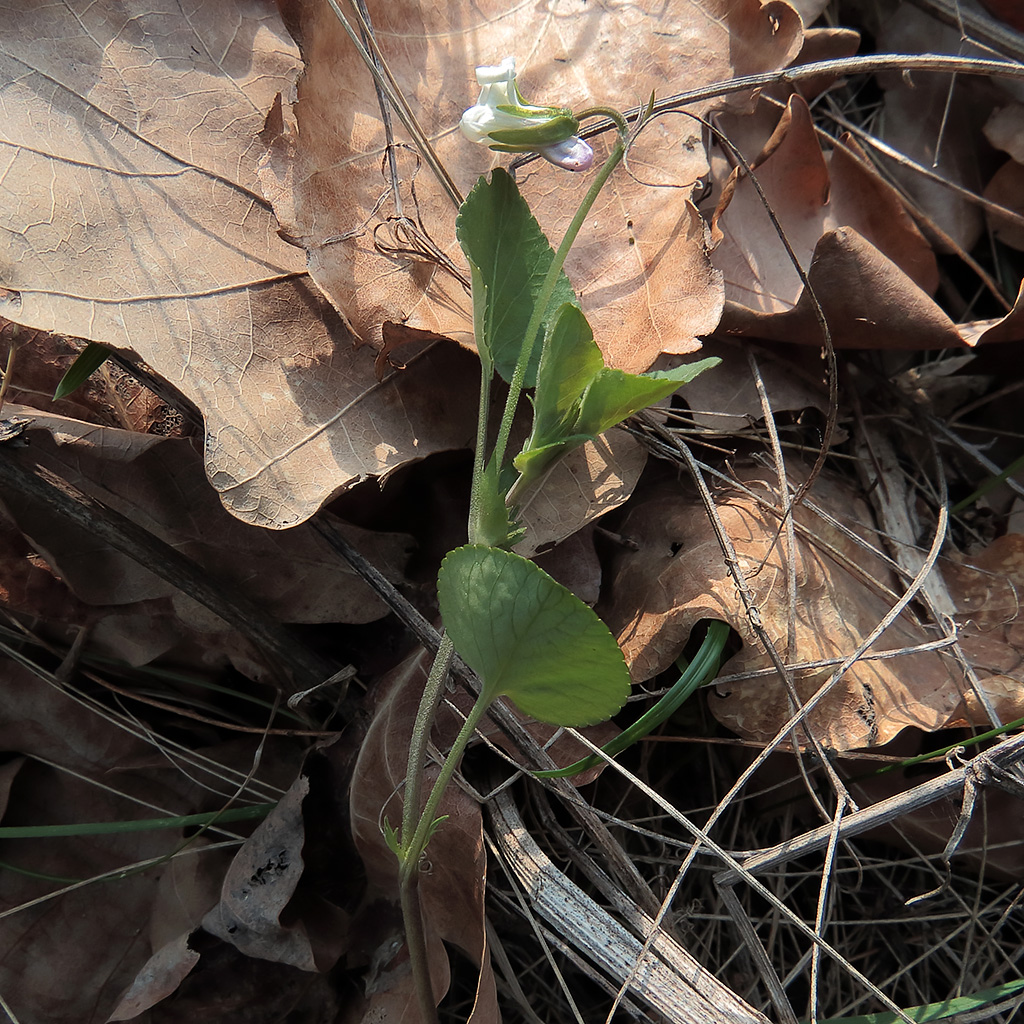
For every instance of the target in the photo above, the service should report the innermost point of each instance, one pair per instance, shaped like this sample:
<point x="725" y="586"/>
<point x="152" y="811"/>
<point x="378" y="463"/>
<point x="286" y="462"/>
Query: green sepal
<point x="529" y="138"/>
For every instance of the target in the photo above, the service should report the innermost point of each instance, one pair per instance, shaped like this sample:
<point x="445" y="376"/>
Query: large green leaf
<point x="530" y="639"/>
<point x="507" y="249"/>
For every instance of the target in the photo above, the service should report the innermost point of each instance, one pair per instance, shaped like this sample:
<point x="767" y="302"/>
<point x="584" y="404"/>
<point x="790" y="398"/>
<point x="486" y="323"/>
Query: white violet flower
<point x="504" y="121"/>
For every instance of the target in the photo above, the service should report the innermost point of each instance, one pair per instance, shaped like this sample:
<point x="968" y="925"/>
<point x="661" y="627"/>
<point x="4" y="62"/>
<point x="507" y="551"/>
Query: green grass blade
<point x="102" y="828"/>
<point x="89" y="360"/>
<point x="937" y="1011"/>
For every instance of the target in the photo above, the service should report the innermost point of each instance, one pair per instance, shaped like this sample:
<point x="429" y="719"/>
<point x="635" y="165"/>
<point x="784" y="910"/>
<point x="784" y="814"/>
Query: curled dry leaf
<point x="870" y="267"/>
<point x="1005" y="130"/>
<point x="678" y="577"/>
<point x="584" y="485"/>
<point x="987" y="588"/>
<point x="159" y="483"/>
<point x="258" y="912"/>
<point x="134" y="218"/>
<point x="384" y="251"/>
<point x="135" y="215"/>
<point x="727" y="401"/>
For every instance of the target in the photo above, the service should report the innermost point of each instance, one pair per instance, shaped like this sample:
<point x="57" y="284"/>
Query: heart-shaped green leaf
<point x="530" y="639"/>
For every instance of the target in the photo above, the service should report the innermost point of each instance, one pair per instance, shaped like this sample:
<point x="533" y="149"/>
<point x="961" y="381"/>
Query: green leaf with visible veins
<point x="569" y="362"/>
<point x="614" y="395"/>
<point x="510" y="256"/>
<point x="530" y="639"/>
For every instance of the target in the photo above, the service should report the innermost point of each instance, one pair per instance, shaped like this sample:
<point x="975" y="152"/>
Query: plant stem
<point x="548" y="286"/>
<point x="412" y="850"/>
<point x="416" y="943"/>
<point x="416" y="846"/>
<point x="419" y="739"/>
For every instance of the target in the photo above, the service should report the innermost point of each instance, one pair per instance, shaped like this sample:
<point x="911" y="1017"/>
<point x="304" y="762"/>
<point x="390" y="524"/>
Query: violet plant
<point x="527" y="637"/>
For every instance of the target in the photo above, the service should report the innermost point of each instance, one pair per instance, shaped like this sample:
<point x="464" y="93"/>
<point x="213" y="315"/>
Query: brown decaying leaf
<point x="159" y="483"/>
<point x="986" y="587"/>
<point x="639" y="266"/>
<point x="257" y="912"/>
<point x="162" y="974"/>
<point x="679" y="577"/>
<point x="581" y="487"/>
<point x="726" y="400"/>
<point x="1005" y="130"/>
<point x="870" y="268"/>
<point x="137" y="133"/>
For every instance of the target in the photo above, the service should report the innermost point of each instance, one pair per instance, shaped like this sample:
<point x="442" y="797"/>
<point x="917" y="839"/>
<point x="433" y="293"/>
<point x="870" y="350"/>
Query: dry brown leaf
<point x="1005" y="188"/>
<point x="583" y="486"/>
<point x="987" y="588"/>
<point x="161" y="975"/>
<point x="639" y="266"/>
<point x="134" y="218"/>
<point x="871" y="269"/>
<point x="137" y="135"/>
<point x="679" y="577"/>
<point x="258" y="912"/>
<point x="159" y="483"/>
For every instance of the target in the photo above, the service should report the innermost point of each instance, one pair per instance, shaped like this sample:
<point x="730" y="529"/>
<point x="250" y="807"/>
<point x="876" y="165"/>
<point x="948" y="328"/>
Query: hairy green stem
<point x="414" y="849"/>
<point x="416" y="943"/>
<point x="420" y="736"/>
<point x="551" y="279"/>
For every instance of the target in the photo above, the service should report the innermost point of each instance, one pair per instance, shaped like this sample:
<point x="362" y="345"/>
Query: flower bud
<point x="504" y="121"/>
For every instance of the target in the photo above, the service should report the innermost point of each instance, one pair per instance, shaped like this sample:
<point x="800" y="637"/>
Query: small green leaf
<point x="615" y="395"/>
<point x="529" y="638"/>
<point x="569" y="362"/>
<point x="89" y="360"/>
<point x="510" y="256"/>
